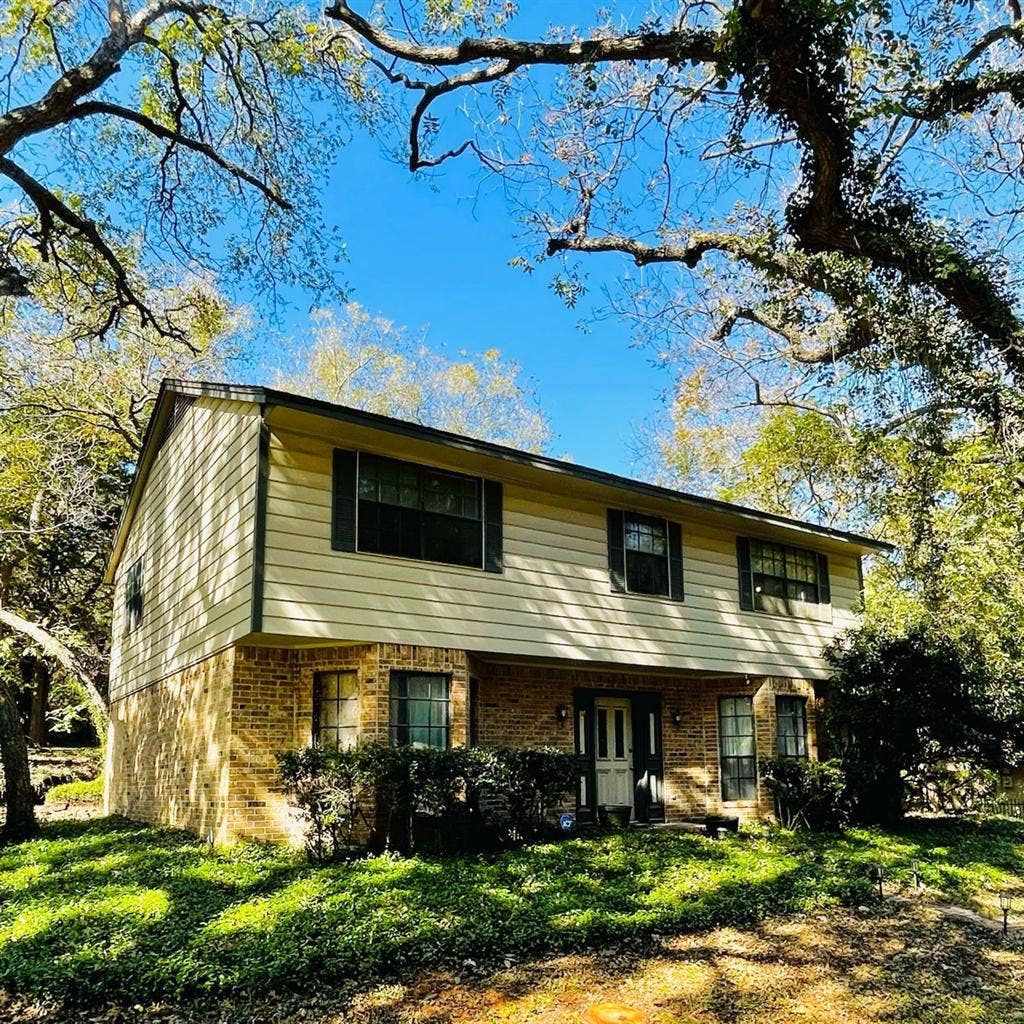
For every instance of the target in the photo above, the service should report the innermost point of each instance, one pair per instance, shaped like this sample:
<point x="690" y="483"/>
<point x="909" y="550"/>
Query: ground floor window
<point x="420" y="709"/>
<point x="336" y="709"/>
<point x="791" y="726"/>
<point x="737" y="748"/>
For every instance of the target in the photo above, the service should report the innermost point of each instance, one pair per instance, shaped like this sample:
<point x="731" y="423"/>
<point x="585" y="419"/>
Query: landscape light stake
<point x="1006" y="905"/>
<point x="917" y="875"/>
<point x="877" y="874"/>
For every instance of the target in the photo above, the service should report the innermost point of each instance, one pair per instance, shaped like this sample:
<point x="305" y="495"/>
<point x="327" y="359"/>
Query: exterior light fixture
<point x="916" y="873"/>
<point x="1006" y="905"/>
<point x="677" y="718"/>
<point x="561" y="714"/>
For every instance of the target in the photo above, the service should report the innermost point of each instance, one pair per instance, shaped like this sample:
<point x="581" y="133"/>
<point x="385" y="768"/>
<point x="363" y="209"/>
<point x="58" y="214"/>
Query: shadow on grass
<point x="106" y="910"/>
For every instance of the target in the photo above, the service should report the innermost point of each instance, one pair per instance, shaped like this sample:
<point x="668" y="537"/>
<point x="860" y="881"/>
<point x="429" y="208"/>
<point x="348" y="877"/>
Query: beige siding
<point x="193" y="530"/>
<point x="553" y="599"/>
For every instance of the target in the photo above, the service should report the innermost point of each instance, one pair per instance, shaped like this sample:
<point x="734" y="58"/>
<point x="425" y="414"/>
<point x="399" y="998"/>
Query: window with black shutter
<point x="646" y="558"/>
<point x="133" y="597"/>
<point x="391" y="507"/>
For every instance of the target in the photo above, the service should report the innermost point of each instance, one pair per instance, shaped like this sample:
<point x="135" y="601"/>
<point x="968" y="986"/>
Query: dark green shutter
<point x="824" y="584"/>
<point x="343" y="504"/>
<point x="746" y="577"/>
<point x="616" y="550"/>
<point x="675" y="561"/>
<point x="493" y="557"/>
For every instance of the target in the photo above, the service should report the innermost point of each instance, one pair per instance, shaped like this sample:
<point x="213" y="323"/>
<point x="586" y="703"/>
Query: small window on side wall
<point x="645" y="554"/>
<point x="791" y="727"/>
<point x="336" y="709"/>
<point x="133" y="597"/>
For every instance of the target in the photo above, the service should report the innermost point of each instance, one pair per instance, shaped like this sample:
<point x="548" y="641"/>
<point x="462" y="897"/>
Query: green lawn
<point x="107" y="910"/>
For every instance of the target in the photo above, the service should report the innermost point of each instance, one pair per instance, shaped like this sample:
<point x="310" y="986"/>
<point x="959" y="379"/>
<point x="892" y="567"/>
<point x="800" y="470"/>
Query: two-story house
<point x="290" y="571"/>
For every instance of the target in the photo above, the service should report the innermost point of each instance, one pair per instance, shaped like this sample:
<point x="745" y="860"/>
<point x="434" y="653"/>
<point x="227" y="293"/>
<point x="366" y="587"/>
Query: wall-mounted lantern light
<point x="561" y="714"/>
<point x="677" y="718"/>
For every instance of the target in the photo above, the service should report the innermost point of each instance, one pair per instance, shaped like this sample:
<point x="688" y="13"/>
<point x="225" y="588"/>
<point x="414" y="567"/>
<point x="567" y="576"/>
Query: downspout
<point x="259" y="537"/>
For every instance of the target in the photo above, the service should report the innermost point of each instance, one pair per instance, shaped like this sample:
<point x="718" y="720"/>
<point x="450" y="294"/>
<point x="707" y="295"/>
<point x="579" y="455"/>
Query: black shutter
<point x="675" y="561"/>
<point x="824" y="584"/>
<point x="586" y="775"/>
<point x="493" y="557"/>
<point x="343" y="507"/>
<point x="616" y="550"/>
<point x="746" y="577"/>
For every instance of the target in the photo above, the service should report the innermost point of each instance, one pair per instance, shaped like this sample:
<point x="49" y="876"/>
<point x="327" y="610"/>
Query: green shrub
<point x="808" y="794"/>
<point x="90" y="792"/>
<point x="454" y="799"/>
<point x="330" y="787"/>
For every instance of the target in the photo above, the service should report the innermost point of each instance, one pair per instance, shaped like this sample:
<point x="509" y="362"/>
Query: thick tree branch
<point x="74" y="664"/>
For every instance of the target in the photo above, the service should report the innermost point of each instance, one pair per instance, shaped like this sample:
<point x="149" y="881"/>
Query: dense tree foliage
<point x="904" y="705"/>
<point x="368" y="362"/>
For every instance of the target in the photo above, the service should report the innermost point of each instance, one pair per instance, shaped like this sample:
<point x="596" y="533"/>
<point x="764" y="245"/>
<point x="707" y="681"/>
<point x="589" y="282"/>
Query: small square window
<point x="420" y="709"/>
<point x="791" y="727"/>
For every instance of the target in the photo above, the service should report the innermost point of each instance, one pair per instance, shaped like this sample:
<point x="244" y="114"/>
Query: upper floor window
<point x="791" y="726"/>
<point x="390" y="507"/>
<point x="781" y="579"/>
<point x="336" y="709"/>
<point x="133" y="597"/>
<point x="420" y="709"/>
<point x="645" y="554"/>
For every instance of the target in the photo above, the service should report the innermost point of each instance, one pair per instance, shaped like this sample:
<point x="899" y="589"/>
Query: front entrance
<point x="613" y="754"/>
<point x="618" y="750"/>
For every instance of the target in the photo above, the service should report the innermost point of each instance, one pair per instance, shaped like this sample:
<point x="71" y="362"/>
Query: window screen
<point x="336" y="709"/>
<point x="737" y="748"/>
<point x="420" y="709"/>
<point x="791" y="726"/>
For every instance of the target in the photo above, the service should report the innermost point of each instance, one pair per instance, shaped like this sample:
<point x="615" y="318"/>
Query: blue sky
<point x="434" y="250"/>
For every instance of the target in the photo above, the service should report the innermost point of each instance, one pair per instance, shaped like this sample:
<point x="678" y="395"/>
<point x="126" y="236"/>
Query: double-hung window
<point x="781" y="579"/>
<point x="420" y="709"/>
<point x="737" y="748"/>
<point x="645" y="554"/>
<point x="388" y="506"/>
<point x="336" y="709"/>
<point x="791" y="727"/>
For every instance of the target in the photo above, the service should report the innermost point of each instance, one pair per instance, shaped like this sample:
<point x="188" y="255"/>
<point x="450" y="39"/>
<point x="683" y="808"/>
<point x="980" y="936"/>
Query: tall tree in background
<point x="366" y="361"/>
<point x="73" y="410"/>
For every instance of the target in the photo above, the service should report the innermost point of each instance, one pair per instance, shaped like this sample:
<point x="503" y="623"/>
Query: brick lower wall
<point x="198" y="749"/>
<point x="517" y="706"/>
<point x="168" y="749"/>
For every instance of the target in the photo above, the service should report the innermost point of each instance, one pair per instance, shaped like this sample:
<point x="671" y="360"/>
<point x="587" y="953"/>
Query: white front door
<point x="613" y="754"/>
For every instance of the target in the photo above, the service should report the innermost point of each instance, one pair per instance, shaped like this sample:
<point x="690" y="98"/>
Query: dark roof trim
<point x="269" y="397"/>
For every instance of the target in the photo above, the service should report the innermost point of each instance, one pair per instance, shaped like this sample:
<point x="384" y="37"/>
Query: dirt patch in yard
<point x="903" y="963"/>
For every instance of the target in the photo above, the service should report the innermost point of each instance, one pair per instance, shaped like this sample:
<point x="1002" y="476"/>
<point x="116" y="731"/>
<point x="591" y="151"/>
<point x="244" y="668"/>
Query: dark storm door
<point x="586" y="775"/>
<point x="648" y="760"/>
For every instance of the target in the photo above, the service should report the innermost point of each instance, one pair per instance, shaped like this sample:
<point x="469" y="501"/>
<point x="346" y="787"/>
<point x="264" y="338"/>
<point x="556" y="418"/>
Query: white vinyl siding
<point x="193" y="530"/>
<point x="554" y="597"/>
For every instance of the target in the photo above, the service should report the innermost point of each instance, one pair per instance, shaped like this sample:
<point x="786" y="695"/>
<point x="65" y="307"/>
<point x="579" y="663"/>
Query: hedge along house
<point x="290" y="571"/>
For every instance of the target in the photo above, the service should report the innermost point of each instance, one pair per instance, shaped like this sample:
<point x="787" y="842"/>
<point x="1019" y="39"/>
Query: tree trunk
<point x="37" y="731"/>
<point x="19" y="797"/>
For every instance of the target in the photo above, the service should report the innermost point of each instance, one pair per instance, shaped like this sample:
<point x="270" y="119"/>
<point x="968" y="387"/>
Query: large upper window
<point x="645" y="554"/>
<point x="781" y="579"/>
<point x="420" y="709"/>
<point x="133" y="597"/>
<point x="390" y="507"/>
<point x="791" y="726"/>
<point x="336" y="709"/>
<point x="737" y="748"/>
